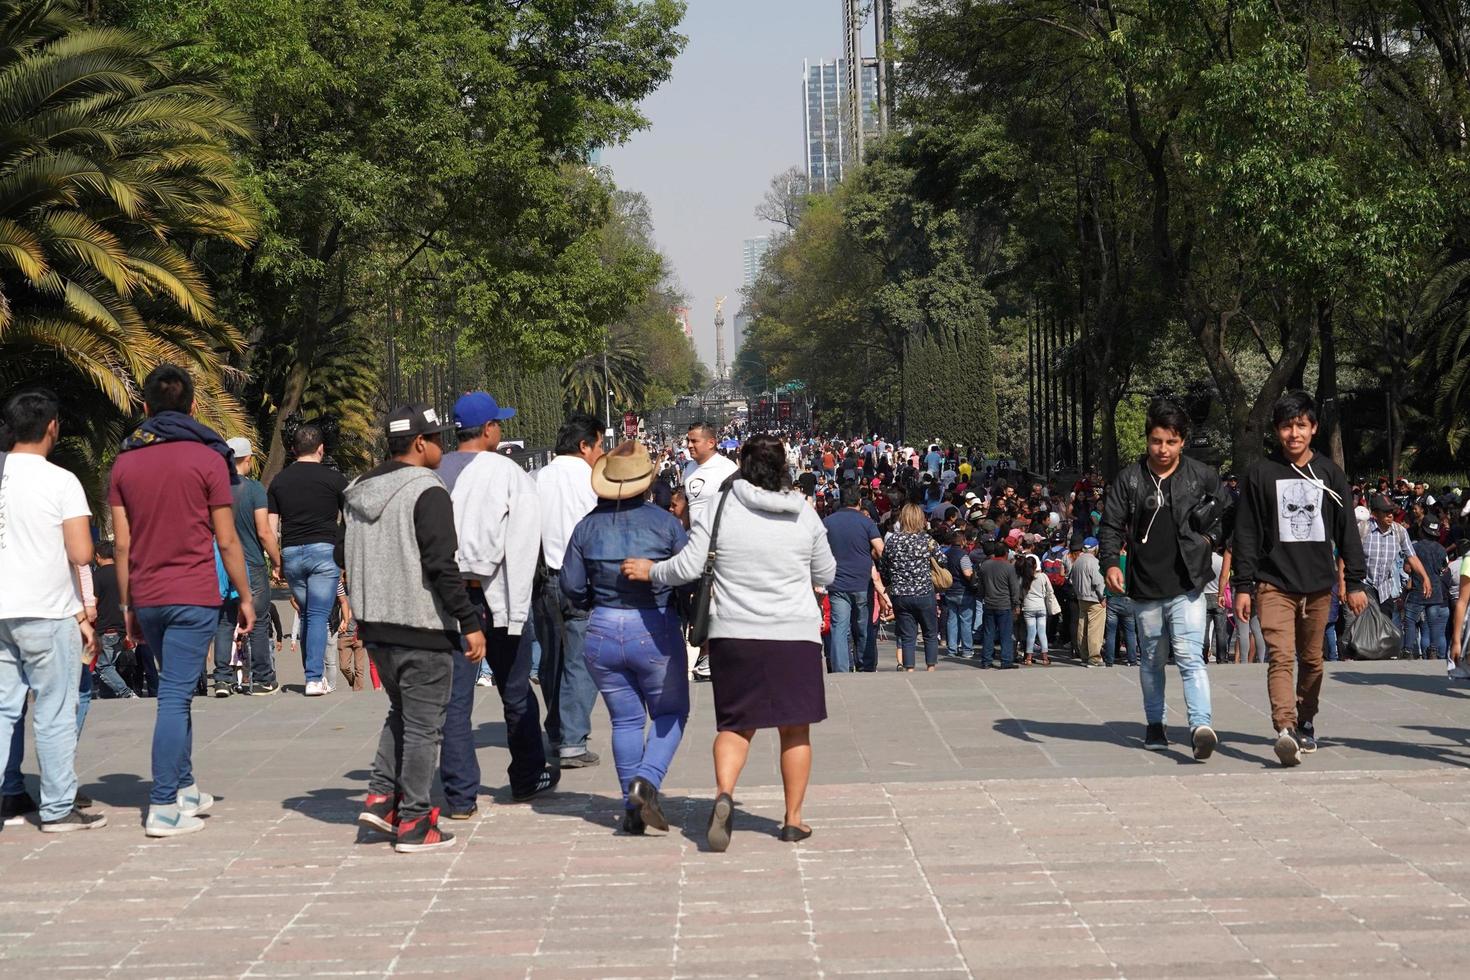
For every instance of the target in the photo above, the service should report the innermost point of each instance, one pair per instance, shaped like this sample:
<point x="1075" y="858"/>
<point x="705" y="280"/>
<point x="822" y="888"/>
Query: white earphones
<point x="1158" y="505"/>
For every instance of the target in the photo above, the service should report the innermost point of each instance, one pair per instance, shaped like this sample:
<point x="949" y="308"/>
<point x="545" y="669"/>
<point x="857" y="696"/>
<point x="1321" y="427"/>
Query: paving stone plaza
<point x="967" y="823"/>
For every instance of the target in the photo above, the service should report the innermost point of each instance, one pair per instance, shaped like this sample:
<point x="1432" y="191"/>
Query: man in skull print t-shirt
<point x="1293" y="522"/>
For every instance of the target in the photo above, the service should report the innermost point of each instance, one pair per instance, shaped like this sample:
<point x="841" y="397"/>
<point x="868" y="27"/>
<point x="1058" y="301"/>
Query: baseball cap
<point x="1089" y="543"/>
<point x="478" y="407"/>
<point x="241" y="447"/>
<point x="414" y="420"/>
<point x="1430" y="528"/>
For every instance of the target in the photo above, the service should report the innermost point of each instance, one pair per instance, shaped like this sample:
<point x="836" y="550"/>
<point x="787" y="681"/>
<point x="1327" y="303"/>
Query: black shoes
<point x="644" y="795"/>
<point x="422" y="834"/>
<point x="721" y="819"/>
<point x="222" y="690"/>
<point x="545" y="783"/>
<point x="791" y="833"/>
<point x="1205" y="740"/>
<point x="1155" y="739"/>
<point x="75" y="820"/>
<point x="261" y="690"/>
<point x="380" y="813"/>
<point x="464" y="813"/>
<point x="633" y="823"/>
<point x="1306" y="738"/>
<point x="14" y="809"/>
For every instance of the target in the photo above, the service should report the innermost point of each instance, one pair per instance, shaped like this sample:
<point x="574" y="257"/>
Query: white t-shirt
<point x="36" y="580"/>
<point x="702" y="486"/>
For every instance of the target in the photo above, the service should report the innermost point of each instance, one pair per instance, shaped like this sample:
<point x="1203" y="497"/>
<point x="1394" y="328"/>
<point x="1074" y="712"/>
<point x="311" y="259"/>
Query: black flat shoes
<point x="721" y="816"/>
<point x="644" y="795"/>
<point x="790" y="833"/>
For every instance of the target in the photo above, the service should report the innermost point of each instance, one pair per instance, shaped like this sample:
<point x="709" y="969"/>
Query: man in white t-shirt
<point x="707" y="472"/>
<point x="44" y="531"/>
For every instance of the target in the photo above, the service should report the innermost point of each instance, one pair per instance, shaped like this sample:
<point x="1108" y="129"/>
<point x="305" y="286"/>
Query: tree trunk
<point x="1327" y="407"/>
<point x="290" y="402"/>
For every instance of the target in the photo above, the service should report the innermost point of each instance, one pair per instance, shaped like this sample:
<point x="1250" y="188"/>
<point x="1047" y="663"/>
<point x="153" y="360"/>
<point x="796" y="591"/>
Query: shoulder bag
<point x="943" y="580"/>
<point x="1053" y="604"/>
<point x="699" y="608"/>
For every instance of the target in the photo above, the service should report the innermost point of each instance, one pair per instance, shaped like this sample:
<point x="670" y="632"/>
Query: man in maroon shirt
<point x="171" y="505"/>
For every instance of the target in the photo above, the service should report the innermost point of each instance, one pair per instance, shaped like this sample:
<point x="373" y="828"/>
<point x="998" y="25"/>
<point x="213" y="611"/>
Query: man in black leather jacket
<point x="1169" y="509"/>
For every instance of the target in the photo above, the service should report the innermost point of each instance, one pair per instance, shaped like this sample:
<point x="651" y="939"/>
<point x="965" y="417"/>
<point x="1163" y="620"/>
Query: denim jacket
<point x="618" y="529"/>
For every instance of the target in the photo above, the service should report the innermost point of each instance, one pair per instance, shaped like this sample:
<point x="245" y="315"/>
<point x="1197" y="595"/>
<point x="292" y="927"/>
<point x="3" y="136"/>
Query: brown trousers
<point x="1293" y="625"/>
<point x="352" y="659"/>
<point x="1092" y="622"/>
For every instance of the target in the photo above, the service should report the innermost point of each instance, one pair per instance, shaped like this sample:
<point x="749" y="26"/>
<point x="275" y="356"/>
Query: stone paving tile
<point x="967" y="825"/>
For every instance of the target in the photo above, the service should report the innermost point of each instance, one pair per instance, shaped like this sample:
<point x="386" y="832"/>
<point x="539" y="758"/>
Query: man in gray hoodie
<point x="411" y="608"/>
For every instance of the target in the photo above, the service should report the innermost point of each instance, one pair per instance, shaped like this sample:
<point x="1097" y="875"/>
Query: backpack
<point x="1054" y="569"/>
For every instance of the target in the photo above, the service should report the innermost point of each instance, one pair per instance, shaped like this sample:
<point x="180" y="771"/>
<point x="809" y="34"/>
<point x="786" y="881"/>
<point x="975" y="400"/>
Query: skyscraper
<point x="754" y="250"/>
<point x="827" y="117"/>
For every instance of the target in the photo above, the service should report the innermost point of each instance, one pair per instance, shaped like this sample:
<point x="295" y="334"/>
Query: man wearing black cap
<point x="411" y="609"/>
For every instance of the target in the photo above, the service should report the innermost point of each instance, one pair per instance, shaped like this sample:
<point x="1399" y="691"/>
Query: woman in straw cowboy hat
<point x="635" y="650"/>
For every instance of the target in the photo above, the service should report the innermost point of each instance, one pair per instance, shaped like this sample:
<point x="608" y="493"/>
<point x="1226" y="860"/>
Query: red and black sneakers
<point x="380" y="813"/>
<point x="422" y="834"/>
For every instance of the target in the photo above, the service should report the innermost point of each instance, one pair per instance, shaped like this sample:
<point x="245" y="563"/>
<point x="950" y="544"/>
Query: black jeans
<point x="417" y="683"/>
<point x="1218" y="620"/>
<point x="510" y="660"/>
<point x="917" y="612"/>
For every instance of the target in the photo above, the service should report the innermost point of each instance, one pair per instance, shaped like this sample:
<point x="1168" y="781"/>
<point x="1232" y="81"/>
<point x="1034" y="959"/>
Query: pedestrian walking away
<point x="497" y="519"/>
<point x="1169" y="510"/>
<point x="1295" y="538"/>
<point x="414" y="616"/>
<point x="635" y="647"/>
<point x="765" y="633"/>
<point x="305" y="503"/>
<point x="564" y="487"/>
<point x="172" y="507"/>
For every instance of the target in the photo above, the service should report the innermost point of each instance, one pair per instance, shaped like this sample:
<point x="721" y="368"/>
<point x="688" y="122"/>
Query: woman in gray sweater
<point x="765" y="625"/>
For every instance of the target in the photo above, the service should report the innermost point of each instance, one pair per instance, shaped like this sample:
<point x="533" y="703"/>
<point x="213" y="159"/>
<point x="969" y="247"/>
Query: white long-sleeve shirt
<point x="565" y="488"/>
<point x="497" y="517"/>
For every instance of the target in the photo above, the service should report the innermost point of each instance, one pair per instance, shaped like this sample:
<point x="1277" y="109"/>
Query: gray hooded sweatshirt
<point x="403" y="581"/>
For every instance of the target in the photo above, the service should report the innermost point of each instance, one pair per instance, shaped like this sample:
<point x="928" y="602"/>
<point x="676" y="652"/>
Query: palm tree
<point x="589" y="382"/>
<point x="114" y="164"/>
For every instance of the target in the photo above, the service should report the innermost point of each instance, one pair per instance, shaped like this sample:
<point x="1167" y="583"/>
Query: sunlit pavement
<point x="967" y="823"/>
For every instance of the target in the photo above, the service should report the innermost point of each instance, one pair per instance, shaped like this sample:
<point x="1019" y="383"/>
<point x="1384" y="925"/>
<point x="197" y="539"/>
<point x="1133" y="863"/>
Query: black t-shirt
<point x="1156" y="570"/>
<point x="308" y="496"/>
<point x="808" y="483"/>
<point x="109" y="603"/>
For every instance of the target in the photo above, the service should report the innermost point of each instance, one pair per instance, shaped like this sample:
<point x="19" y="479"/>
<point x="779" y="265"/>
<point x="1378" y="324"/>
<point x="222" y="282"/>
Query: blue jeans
<point x="1035" y="633"/>
<point x="915" y="612"/>
<point x="45" y="656"/>
<point x="509" y="660"/>
<point x="181" y="636"/>
<point x="959" y="625"/>
<point x="1329" y="642"/>
<point x="1177" y="624"/>
<point x="998" y="624"/>
<point x="566" y="686"/>
<point x="1120" y="613"/>
<point x="639" y="661"/>
<point x="260" y="660"/>
<point x="312" y="574"/>
<point x="849" y="628"/>
<point x="1425" y="625"/>
<point x="107" y="675"/>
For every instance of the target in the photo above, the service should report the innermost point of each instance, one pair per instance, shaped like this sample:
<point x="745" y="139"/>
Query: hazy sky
<point x="727" y="122"/>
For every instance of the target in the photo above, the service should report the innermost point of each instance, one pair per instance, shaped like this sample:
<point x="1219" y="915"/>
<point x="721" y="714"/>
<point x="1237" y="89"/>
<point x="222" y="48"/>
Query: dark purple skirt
<point x="767" y="683"/>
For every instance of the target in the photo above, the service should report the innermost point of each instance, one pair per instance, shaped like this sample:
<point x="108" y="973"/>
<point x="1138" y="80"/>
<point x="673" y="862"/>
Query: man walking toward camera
<point x="1168" y="509"/>
<point x="413" y="615"/>
<point x="1295" y="537"/>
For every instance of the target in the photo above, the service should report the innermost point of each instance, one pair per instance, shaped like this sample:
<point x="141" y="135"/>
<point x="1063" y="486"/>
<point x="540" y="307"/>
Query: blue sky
<point x="728" y="121"/>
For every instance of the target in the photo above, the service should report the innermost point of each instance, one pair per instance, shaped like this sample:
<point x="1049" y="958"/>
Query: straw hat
<point x="623" y="474"/>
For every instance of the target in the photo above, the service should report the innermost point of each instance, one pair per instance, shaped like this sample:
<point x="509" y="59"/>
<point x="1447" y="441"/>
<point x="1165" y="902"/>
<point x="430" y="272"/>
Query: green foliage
<point x="951" y="388"/>
<point x="114" y="166"/>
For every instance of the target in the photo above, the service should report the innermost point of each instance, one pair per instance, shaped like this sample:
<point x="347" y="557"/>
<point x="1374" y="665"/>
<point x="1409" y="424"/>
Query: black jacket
<point x="1194" y="484"/>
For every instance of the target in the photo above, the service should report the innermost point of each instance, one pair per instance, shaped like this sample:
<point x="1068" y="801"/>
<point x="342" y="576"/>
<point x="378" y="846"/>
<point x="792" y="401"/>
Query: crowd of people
<point x="633" y="572"/>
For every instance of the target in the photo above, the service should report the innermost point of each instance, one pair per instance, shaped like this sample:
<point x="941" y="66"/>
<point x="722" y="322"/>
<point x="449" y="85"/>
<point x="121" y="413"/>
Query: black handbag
<point x="699" y="608"/>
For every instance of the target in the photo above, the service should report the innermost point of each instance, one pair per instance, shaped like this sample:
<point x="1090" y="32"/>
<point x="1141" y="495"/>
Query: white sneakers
<point x="315" y="689"/>
<point x="1456" y="671"/>
<point x="181" y="818"/>
<point x="1288" y="750"/>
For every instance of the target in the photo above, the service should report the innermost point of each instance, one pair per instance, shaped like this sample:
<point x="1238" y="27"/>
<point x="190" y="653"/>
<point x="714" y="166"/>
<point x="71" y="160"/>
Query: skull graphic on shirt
<point x="1299" y="511"/>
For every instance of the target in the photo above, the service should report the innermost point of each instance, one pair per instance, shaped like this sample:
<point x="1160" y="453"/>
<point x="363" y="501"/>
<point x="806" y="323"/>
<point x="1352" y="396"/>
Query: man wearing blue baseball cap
<point x="497" y="518"/>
